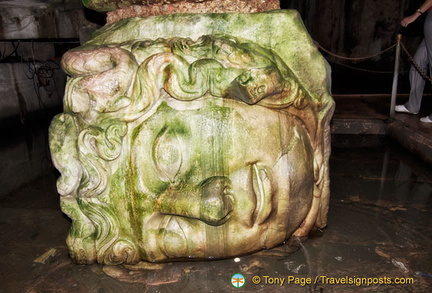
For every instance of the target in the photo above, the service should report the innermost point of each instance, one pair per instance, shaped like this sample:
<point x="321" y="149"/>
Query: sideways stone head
<point x="176" y="148"/>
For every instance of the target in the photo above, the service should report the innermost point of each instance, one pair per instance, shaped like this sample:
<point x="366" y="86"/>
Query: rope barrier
<point x="410" y="58"/>
<point x="356" y="58"/>
<point x="398" y="45"/>
<point x="362" y="69"/>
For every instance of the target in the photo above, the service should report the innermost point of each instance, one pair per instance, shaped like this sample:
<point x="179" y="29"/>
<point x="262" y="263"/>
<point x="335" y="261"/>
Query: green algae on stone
<point x="193" y="136"/>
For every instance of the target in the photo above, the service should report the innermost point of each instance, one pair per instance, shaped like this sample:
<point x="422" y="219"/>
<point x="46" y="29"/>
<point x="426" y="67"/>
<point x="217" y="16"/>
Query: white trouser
<point x="423" y="57"/>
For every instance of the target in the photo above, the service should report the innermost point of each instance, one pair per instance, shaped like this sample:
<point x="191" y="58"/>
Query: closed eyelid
<point x="167" y="155"/>
<point x="170" y="154"/>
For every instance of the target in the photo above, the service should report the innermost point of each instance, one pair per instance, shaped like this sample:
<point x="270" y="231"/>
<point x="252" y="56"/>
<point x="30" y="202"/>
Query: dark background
<point x="361" y="28"/>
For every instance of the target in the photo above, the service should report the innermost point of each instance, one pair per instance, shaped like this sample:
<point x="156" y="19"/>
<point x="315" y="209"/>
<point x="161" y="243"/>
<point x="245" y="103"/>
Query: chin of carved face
<point x="217" y="178"/>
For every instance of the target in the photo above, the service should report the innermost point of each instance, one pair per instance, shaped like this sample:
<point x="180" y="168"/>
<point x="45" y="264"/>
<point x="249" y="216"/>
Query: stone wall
<point x="34" y="19"/>
<point x="33" y="36"/>
<point x="27" y="87"/>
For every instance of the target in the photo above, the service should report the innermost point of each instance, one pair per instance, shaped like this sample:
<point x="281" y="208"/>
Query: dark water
<point x="379" y="229"/>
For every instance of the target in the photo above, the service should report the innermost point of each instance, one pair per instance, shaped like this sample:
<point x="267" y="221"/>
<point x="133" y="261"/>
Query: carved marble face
<point x="218" y="182"/>
<point x="179" y="147"/>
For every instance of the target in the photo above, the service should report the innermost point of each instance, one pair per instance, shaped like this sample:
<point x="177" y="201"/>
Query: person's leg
<point x="428" y="42"/>
<point x="427" y="29"/>
<point x="417" y="82"/>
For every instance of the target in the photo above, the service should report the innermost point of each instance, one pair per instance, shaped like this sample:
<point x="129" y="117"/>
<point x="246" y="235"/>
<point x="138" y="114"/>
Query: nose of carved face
<point x="216" y="200"/>
<point x="213" y="195"/>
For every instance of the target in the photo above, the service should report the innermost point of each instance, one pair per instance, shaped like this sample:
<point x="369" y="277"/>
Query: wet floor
<point x="379" y="231"/>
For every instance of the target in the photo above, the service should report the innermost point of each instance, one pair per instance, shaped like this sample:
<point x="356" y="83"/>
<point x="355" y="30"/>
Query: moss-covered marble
<point x="193" y="136"/>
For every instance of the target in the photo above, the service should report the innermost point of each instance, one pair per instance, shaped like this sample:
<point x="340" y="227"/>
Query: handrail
<point x="395" y="77"/>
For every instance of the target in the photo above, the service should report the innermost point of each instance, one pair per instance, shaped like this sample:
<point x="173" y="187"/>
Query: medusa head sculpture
<point x="193" y="137"/>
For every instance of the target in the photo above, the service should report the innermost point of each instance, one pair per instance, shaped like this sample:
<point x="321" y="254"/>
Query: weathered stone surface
<point x="413" y="140"/>
<point x="109" y="5"/>
<point x="157" y="7"/>
<point x="212" y="6"/>
<point x="193" y="136"/>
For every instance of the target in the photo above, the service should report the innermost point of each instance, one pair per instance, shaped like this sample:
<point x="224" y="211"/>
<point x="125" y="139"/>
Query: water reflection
<point x="412" y="187"/>
<point x="380" y="172"/>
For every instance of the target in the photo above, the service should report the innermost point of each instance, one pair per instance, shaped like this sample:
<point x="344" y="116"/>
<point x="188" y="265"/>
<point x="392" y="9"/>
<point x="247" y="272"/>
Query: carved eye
<point x="167" y="155"/>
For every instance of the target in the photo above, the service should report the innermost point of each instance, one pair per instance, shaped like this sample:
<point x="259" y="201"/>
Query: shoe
<point x="403" y="109"/>
<point x="425" y="120"/>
